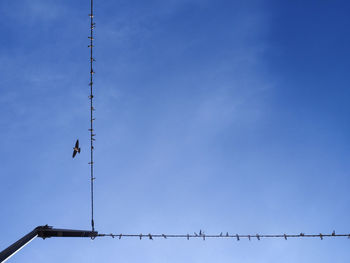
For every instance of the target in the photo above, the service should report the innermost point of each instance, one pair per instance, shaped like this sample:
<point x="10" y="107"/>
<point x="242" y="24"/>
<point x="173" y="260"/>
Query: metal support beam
<point x="43" y="232"/>
<point x="15" y="247"/>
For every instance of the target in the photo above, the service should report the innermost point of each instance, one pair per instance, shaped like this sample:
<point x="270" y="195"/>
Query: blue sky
<point x="214" y="115"/>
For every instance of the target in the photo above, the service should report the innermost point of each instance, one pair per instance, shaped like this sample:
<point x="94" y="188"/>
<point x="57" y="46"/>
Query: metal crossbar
<point x="202" y="235"/>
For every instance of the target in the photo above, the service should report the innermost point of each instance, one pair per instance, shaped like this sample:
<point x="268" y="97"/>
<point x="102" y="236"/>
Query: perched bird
<point x="76" y="148"/>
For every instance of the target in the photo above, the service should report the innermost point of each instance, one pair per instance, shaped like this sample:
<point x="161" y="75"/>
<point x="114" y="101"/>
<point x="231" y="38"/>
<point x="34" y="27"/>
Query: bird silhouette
<point x="76" y="148"/>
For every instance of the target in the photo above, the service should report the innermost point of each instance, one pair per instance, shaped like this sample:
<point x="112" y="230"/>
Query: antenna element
<point x="92" y="139"/>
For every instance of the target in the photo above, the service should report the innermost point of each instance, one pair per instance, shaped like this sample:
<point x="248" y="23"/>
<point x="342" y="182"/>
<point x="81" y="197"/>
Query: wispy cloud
<point x="32" y="11"/>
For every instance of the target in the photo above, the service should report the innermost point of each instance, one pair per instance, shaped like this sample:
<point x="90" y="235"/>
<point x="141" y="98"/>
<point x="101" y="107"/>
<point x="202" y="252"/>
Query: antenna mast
<point x="92" y="139"/>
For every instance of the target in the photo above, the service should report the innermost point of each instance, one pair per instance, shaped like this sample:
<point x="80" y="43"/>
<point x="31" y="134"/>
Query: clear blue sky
<point x="214" y="115"/>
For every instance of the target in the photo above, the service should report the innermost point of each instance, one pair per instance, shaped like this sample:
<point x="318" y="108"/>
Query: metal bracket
<point x="43" y="232"/>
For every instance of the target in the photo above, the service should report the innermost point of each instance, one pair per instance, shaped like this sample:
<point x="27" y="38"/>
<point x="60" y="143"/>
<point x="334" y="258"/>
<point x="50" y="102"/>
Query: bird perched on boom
<point x="76" y="148"/>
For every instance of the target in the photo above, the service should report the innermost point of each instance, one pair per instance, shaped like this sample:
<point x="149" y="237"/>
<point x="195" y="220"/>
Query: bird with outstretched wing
<point x="76" y="148"/>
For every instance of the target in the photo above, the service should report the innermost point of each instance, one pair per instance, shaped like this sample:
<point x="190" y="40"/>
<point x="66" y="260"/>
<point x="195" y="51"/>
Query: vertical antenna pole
<point x="92" y="25"/>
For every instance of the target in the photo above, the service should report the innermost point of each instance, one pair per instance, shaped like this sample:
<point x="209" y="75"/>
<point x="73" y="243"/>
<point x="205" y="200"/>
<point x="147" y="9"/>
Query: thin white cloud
<point x="32" y="11"/>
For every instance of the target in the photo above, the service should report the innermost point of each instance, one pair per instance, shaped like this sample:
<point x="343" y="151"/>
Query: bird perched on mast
<point x="76" y="148"/>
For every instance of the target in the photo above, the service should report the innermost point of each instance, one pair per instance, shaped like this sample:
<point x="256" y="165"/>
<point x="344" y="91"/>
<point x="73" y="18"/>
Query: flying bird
<point x="76" y="148"/>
